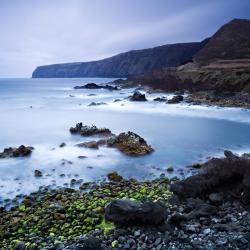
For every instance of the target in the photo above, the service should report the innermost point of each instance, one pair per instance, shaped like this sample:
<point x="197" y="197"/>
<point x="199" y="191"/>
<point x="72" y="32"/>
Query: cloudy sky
<point x="38" y="32"/>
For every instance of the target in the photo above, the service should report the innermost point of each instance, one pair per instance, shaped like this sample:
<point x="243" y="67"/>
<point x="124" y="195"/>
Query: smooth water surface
<point x="39" y="112"/>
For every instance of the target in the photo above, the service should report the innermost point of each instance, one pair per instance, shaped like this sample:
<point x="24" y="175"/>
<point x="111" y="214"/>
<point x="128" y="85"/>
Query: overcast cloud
<point x="38" y="32"/>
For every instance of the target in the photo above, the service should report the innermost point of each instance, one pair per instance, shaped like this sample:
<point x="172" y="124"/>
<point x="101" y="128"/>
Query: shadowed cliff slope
<point x="129" y="63"/>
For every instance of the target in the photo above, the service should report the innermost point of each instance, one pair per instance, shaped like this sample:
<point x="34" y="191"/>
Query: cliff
<point x="125" y="64"/>
<point x="223" y="64"/>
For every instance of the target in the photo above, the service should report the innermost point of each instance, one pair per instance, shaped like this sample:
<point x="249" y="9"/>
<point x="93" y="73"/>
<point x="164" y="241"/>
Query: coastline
<point x="68" y="218"/>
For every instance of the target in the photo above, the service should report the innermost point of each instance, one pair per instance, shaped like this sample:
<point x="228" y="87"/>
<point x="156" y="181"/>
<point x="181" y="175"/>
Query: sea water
<point x="39" y="113"/>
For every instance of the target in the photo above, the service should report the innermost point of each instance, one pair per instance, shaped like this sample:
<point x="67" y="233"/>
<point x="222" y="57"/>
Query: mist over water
<point x="39" y="113"/>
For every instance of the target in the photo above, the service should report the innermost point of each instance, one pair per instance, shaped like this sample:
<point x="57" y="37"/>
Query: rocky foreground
<point x="210" y="210"/>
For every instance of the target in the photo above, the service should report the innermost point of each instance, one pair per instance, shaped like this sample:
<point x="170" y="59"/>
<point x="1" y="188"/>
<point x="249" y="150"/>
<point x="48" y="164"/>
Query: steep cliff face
<point x="230" y="42"/>
<point x="223" y="64"/>
<point x="126" y="64"/>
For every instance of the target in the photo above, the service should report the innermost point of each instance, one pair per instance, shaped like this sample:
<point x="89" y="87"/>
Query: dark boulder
<point x="128" y="212"/>
<point x="16" y="152"/>
<point x="130" y="144"/>
<point x="89" y="130"/>
<point x="175" y="99"/>
<point x="230" y="175"/>
<point x="138" y="97"/>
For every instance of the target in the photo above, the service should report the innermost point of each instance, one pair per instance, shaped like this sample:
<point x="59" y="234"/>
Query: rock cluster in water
<point x="89" y="130"/>
<point x="96" y="86"/>
<point x="16" y="152"/>
<point x="128" y="143"/>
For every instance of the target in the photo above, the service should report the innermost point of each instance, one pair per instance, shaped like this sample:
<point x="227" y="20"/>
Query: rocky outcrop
<point x="230" y="175"/>
<point x="16" y="152"/>
<point x="130" y="144"/>
<point x="128" y="212"/>
<point x="96" y="86"/>
<point x="138" y="97"/>
<point x="89" y="130"/>
<point x="175" y="99"/>
<point x="125" y="64"/>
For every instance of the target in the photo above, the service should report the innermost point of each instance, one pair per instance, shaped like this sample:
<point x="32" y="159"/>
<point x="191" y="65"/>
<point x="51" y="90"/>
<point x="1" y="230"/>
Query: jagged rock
<point x="92" y="144"/>
<point x="175" y="99"/>
<point x="130" y="144"/>
<point x="138" y="97"/>
<point x="95" y="86"/>
<point x="114" y="176"/>
<point x="128" y="212"/>
<point x="16" y="152"/>
<point x="38" y="173"/>
<point x="89" y="130"/>
<point x="230" y="175"/>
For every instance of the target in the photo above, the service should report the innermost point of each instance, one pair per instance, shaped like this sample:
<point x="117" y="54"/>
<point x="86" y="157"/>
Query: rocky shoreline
<point x="210" y="210"/>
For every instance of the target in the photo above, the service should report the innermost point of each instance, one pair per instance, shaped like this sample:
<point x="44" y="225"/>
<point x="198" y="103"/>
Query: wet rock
<point x="160" y="99"/>
<point x="170" y="169"/>
<point x="92" y="144"/>
<point x="95" y="86"/>
<point x="114" y="176"/>
<point x="97" y="104"/>
<point x="128" y="212"/>
<point x="16" y="152"/>
<point x="63" y="144"/>
<point x="82" y="157"/>
<point x="38" y="173"/>
<point x="175" y="99"/>
<point x="89" y="130"/>
<point x="230" y="175"/>
<point x="138" y="97"/>
<point x="130" y="144"/>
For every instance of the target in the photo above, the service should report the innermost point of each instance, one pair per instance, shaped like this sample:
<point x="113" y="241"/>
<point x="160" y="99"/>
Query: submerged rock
<point x="230" y="175"/>
<point x="16" y="152"/>
<point x="92" y="144"/>
<point x="89" y="130"/>
<point x="97" y="104"/>
<point x="138" y="97"/>
<point x="63" y="144"/>
<point x="124" y="212"/>
<point x="114" y="176"/>
<point x="175" y="99"/>
<point x="95" y="86"/>
<point x="130" y="144"/>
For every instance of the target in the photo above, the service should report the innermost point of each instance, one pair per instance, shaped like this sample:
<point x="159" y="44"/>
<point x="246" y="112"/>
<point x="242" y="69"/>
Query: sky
<point x="40" y="32"/>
